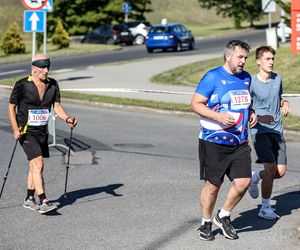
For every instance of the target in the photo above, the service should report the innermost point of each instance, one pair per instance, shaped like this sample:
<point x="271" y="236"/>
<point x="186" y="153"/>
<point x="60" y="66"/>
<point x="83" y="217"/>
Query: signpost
<point x="295" y="21"/>
<point x="126" y="7"/>
<point x="35" y="20"/>
<point x="34" y="4"/>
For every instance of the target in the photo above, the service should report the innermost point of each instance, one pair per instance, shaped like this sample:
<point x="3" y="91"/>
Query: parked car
<point x="139" y="30"/>
<point x="109" y="34"/>
<point x="287" y="31"/>
<point x="169" y="36"/>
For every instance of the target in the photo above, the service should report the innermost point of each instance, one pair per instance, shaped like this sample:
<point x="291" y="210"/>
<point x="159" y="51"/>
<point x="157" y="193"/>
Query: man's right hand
<point x="225" y="118"/>
<point x="17" y="133"/>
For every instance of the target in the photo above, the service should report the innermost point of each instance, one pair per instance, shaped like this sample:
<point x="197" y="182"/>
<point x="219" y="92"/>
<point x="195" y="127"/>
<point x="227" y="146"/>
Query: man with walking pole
<point x="29" y="106"/>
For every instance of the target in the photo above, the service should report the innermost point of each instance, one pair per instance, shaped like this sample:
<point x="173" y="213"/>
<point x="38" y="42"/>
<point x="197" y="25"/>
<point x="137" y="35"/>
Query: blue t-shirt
<point x="229" y="94"/>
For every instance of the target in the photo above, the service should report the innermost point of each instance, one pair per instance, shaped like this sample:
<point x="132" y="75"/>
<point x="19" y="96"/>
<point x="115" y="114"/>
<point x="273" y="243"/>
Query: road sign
<point x="34" y="4"/>
<point x="34" y="21"/>
<point x="49" y="6"/>
<point x="126" y="7"/>
<point x="268" y="6"/>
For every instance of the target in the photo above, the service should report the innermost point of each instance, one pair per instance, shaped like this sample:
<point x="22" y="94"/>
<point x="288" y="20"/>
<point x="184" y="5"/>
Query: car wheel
<point x="129" y="43"/>
<point x="110" y="41"/>
<point x="149" y="50"/>
<point x="192" y="45"/>
<point x="139" y="40"/>
<point x="178" y="47"/>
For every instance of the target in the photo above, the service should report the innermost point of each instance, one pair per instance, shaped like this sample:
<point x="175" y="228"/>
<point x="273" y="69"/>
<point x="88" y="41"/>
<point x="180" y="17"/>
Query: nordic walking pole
<point x="11" y="158"/>
<point x="68" y="162"/>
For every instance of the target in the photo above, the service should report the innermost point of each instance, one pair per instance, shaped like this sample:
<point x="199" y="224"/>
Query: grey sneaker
<point x="46" y="207"/>
<point x="31" y="204"/>
<point x="253" y="188"/>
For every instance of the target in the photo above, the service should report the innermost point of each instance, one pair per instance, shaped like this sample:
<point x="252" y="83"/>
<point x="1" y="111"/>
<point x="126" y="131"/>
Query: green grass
<point x="285" y="64"/>
<point x="53" y="51"/>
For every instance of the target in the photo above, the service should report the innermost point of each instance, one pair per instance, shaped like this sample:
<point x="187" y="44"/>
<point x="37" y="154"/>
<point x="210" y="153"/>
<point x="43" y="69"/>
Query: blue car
<point x="169" y="36"/>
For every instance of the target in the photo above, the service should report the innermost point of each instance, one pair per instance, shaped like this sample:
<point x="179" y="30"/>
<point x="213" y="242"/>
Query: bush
<point x="12" y="42"/>
<point x="60" y="36"/>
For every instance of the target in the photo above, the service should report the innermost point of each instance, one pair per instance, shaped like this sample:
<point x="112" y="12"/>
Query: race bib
<point x="239" y="99"/>
<point x="38" y="117"/>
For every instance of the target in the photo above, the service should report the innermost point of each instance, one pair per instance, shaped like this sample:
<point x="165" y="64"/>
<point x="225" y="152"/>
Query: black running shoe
<point x="225" y="225"/>
<point x="205" y="231"/>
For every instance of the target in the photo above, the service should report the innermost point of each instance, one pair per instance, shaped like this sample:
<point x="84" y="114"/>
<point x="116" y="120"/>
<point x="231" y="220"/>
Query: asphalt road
<point x="133" y="184"/>
<point x="203" y="46"/>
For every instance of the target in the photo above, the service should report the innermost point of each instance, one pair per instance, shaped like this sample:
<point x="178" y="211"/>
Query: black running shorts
<point x="218" y="160"/>
<point x="270" y="148"/>
<point x="35" y="145"/>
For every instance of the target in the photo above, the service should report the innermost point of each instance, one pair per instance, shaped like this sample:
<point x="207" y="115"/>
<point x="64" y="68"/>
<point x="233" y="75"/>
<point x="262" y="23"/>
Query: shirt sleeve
<point x="206" y="85"/>
<point x="16" y="93"/>
<point x="56" y="97"/>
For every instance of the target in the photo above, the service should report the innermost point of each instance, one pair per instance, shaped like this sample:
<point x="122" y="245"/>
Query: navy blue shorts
<point x="218" y="160"/>
<point x="35" y="145"/>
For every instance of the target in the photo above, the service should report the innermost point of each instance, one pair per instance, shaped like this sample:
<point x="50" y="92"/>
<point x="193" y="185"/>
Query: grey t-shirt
<point x="266" y="98"/>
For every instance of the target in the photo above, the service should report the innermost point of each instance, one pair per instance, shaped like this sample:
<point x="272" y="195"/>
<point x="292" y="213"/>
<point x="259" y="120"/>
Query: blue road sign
<point x="34" y="21"/>
<point x="49" y="6"/>
<point x="126" y="7"/>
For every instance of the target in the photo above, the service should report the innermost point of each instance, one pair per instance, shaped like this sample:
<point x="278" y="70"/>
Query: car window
<point x="177" y="29"/>
<point x="183" y="29"/>
<point x="98" y="30"/>
<point x="159" y="30"/>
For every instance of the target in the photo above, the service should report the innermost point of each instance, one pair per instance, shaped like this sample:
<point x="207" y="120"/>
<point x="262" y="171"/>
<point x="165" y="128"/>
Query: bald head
<point x="41" y="61"/>
<point x="39" y="57"/>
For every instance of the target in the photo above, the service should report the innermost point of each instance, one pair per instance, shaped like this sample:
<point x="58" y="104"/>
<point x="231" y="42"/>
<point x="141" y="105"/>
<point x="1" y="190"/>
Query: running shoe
<point x="253" y="188"/>
<point x="225" y="225"/>
<point x="46" y="207"/>
<point x="205" y="232"/>
<point x="31" y="204"/>
<point x="268" y="213"/>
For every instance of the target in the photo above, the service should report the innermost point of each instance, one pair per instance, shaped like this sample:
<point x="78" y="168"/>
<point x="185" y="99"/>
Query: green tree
<point x="80" y="16"/>
<point x="61" y="36"/>
<point x="238" y="10"/>
<point x="12" y="42"/>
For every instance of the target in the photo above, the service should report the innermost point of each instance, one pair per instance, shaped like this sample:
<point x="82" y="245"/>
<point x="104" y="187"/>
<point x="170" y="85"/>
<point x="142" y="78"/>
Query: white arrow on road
<point x="34" y="19"/>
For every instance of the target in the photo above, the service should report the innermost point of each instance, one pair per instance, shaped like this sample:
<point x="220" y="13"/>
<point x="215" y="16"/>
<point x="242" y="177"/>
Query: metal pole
<point x="68" y="163"/>
<point x="45" y="32"/>
<point x="33" y="43"/>
<point x="11" y="158"/>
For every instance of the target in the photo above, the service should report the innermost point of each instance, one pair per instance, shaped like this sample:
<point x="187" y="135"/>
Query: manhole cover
<point x="133" y="145"/>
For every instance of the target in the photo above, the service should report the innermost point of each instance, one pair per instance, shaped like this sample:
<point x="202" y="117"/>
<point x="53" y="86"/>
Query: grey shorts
<point x="217" y="160"/>
<point x="270" y="148"/>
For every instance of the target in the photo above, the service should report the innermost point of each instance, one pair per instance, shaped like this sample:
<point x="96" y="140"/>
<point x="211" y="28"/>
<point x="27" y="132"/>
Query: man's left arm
<point x="59" y="110"/>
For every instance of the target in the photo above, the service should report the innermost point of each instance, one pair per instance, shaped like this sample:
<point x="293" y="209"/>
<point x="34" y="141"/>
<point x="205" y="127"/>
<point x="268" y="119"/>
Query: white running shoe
<point x="253" y="188"/>
<point x="268" y="213"/>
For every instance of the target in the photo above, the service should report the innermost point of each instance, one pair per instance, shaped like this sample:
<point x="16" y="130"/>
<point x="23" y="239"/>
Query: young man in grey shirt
<point x="267" y="134"/>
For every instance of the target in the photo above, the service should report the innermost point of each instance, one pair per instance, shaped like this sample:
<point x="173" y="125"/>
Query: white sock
<point x="224" y="213"/>
<point x="265" y="202"/>
<point x="205" y="220"/>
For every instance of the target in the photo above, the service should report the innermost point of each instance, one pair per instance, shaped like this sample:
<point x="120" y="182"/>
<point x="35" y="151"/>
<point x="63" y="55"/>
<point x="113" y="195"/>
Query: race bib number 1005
<point x="38" y="117"/>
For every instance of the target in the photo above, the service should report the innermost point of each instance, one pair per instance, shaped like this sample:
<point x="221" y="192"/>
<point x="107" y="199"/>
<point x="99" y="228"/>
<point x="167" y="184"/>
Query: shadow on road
<point x="73" y="196"/>
<point x="249" y="221"/>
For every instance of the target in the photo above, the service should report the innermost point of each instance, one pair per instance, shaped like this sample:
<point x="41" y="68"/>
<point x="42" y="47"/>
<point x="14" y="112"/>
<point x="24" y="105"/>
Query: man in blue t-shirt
<point x="222" y="100"/>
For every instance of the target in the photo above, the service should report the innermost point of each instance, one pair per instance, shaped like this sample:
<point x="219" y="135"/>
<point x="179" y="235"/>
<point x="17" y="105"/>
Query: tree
<point x="239" y="10"/>
<point x="80" y="16"/>
<point x="12" y="41"/>
<point x="61" y="36"/>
